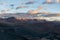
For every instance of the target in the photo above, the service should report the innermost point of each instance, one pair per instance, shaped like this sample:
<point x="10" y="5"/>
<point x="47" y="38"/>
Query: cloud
<point x="3" y="11"/>
<point x="30" y="2"/>
<point x="2" y="3"/>
<point x="57" y="1"/>
<point x="18" y="7"/>
<point x="52" y="15"/>
<point x="48" y="2"/>
<point x="8" y="10"/>
<point x="32" y="12"/>
<point x="39" y="7"/>
<point x="45" y="12"/>
<point x="12" y="6"/>
<point x="35" y="11"/>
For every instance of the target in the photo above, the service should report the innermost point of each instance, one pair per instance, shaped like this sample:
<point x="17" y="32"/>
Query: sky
<point x="23" y="6"/>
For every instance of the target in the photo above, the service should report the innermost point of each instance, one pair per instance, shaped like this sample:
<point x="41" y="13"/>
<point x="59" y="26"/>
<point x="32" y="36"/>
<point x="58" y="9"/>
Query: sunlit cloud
<point x="48" y="2"/>
<point x="39" y="7"/>
<point x="51" y="2"/>
<point x="35" y="11"/>
<point x="57" y="1"/>
<point x="32" y="11"/>
<point x="45" y="12"/>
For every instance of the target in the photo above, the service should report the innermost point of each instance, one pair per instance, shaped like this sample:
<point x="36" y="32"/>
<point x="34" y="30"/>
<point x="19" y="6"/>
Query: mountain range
<point x="14" y="29"/>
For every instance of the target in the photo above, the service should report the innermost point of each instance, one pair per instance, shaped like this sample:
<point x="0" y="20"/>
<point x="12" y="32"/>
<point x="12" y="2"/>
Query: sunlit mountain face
<point x="30" y="9"/>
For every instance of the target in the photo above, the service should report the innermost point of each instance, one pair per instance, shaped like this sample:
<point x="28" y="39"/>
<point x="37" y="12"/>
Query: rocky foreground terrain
<point x="13" y="29"/>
